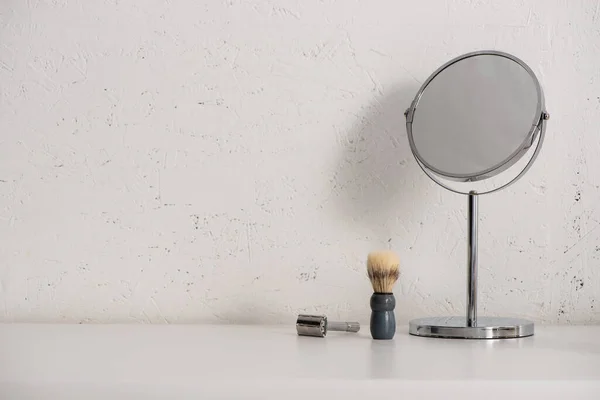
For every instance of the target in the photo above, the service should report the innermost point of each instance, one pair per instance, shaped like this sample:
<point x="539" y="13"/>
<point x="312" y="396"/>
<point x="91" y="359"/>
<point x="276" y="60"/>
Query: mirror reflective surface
<point x="475" y="116"/>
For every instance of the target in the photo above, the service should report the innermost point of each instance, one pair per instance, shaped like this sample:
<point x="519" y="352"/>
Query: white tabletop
<point x="207" y="361"/>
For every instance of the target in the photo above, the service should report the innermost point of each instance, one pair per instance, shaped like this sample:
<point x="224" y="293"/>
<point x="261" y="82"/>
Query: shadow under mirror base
<point x="486" y="328"/>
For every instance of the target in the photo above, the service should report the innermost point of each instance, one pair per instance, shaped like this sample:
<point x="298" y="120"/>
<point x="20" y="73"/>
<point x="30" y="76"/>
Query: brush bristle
<point x="382" y="267"/>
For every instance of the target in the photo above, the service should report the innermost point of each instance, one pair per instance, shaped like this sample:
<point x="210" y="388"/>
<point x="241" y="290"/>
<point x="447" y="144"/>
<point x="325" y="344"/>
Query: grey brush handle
<point x="343" y="326"/>
<point x="383" y="320"/>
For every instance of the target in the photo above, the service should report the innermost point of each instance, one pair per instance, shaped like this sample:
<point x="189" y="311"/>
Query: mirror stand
<point x="471" y="327"/>
<point x="456" y="135"/>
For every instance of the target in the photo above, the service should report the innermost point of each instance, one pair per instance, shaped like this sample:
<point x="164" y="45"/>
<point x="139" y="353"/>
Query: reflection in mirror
<point x="475" y="117"/>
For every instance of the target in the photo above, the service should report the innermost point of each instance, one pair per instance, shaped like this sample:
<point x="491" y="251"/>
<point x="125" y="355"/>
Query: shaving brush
<point x="382" y="268"/>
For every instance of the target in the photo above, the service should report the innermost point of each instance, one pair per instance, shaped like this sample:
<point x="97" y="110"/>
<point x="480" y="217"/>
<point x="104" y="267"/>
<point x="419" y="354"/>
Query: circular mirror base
<point x="456" y="328"/>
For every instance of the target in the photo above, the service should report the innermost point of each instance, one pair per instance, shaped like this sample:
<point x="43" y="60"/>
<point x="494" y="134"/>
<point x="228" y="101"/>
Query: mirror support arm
<point x="472" y="266"/>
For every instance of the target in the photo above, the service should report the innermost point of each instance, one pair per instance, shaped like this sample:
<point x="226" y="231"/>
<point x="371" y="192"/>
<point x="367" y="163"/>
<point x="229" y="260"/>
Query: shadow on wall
<point x="377" y="182"/>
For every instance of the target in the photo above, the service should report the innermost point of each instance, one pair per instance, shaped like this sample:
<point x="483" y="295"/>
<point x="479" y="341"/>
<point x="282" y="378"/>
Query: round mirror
<point x="475" y="117"/>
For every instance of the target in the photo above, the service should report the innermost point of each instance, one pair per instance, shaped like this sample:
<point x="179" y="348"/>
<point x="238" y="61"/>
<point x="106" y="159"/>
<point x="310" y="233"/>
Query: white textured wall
<point x="178" y="161"/>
